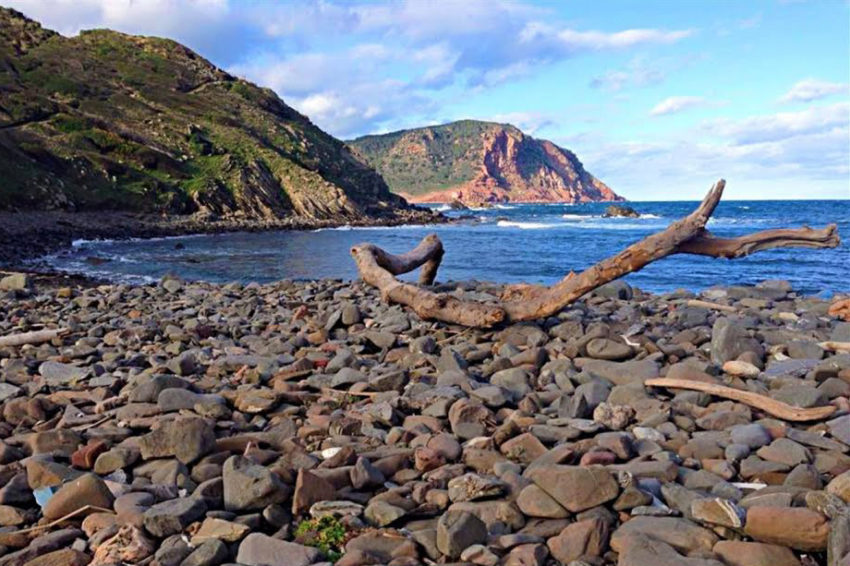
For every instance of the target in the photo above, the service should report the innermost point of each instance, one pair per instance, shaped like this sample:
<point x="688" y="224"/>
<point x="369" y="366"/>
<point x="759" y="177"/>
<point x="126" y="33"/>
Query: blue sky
<point x="658" y="99"/>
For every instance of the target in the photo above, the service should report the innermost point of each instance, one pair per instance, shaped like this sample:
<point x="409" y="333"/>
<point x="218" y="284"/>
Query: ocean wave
<point x="618" y="218"/>
<point x="524" y="225"/>
<point x="82" y="242"/>
<point x="82" y="268"/>
<point x="733" y="220"/>
<point x="348" y="227"/>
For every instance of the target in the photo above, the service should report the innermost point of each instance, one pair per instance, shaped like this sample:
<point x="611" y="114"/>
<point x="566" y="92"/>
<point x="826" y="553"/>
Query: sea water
<point x="535" y="243"/>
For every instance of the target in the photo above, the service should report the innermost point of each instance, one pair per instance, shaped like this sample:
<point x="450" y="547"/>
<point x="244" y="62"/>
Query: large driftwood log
<point x="528" y="302"/>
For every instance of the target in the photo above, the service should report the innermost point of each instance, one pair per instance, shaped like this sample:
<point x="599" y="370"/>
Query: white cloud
<point x="768" y="156"/>
<point x="575" y="40"/>
<point x="383" y="63"/>
<point x="639" y="72"/>
<point x="750" y="23"/>
<point x="529" y="122"/>
<point x="675" y="104"/>
<point x="808" y="90"/>
<point x="783" y="125"/>
<point x="619" y="40"/>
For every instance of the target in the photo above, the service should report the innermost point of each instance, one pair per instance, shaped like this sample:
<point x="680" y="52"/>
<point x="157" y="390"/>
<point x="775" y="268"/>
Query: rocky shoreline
<point x="192" y="424"/>
<point x="27" y="235"/>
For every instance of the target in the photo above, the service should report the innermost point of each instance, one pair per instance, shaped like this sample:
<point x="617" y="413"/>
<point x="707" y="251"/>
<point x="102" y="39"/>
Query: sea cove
<point x="507" y="243"/>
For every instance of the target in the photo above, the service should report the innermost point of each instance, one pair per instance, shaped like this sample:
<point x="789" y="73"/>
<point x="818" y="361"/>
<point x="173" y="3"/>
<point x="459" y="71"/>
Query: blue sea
<point x="510" y="243"/>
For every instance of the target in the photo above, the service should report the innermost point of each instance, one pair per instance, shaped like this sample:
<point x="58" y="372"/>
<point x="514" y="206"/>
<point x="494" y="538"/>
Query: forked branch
<point x="528" y="302"/>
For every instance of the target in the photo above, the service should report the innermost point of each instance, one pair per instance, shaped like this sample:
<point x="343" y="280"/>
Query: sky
<point x="657" y="98"/>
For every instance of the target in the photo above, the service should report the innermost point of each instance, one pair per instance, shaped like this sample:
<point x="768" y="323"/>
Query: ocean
<point x="510" y="243"/>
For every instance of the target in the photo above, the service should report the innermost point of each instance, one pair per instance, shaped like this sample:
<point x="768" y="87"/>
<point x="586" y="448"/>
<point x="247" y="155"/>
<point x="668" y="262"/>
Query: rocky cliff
<point x="106" y="120"/>
<point x="476" y="162"/>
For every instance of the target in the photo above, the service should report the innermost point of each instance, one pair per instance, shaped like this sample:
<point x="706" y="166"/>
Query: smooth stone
<point x="739" y="553"/>
<point x="458" y="530"/>
<point x="575" y="488"/>
<point x="683" y="535"/>
<point x="261" y="550"/>
<point x="88" y="489"/>
<point x="250" y="487"/>
<point x="173" y="516"/>
<point x="186" y="438"/>
<point x="796" y="527"/>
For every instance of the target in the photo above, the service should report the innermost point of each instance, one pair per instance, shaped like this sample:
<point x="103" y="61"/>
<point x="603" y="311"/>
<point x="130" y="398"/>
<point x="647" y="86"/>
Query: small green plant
<point x="327" y="534"/>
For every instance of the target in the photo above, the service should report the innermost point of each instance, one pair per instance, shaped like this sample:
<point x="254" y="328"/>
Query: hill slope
<point x="105" y="120"/>
<point x="476" y="162"/>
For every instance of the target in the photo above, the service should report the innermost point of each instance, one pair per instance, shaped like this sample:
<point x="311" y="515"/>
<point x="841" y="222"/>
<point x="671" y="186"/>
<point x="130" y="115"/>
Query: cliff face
<point x="111" y="121"/>
<point x="475" y="162"/>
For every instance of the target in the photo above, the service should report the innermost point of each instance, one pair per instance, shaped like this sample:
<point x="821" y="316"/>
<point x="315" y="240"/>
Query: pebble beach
<point x="298" y="423"/>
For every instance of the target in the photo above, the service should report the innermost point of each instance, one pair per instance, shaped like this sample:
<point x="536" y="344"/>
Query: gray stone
<point x="730" y="339"/>
<point x="173" y="516"/>
<point x="209" y="553"/>
<point x="751" y="435"/>
<point x="249" y="486"/>
<point x="148" y="391"/>
<point x="57" y="374"/>
<point x="262" y="550"/>
<point x="186" y="438"/>
<point x="514" y="380"/>
<point x="457" y="531"/>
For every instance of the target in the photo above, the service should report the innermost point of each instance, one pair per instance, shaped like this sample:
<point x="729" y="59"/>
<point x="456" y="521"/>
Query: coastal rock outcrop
<point x="479" y="162"/>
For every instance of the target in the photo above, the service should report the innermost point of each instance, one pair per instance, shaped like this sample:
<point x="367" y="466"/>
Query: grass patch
<point x="327" y="534"/>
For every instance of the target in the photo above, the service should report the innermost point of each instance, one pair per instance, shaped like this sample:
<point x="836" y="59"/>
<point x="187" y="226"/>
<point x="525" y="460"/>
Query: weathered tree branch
<point x="528" y="302"/>
<point x="35" y="337"/>
<point x="766" y="404"/>
<point x="731" y="248"/>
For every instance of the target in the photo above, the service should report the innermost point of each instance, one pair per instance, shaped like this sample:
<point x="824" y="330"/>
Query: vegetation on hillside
<point x="108" y="120"/>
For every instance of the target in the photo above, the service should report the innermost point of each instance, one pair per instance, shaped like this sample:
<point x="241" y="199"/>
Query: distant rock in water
<point x="479" y="162"/>
<point x="105" y="120"/>
<point x="620" y="210"/>
<point x="458" y="205"/>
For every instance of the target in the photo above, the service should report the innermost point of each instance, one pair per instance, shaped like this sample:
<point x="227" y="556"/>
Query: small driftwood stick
<point x="34" y="337"/>
<point x="834" y="346"/>
<point x="766" y="404"/>
<point x="82" y="510"/>
<point x="529" y="302"/>
<point x="710" y="305"/>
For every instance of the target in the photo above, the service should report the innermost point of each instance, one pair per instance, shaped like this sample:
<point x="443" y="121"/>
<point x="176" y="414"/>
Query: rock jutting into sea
<point x="296" y="423"/>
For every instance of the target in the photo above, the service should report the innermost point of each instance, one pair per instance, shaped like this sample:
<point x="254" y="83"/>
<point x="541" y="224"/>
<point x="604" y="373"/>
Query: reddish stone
<point x="427" y="459"/>
<point x="600" y="457"/>
<point x="85" y="456"/>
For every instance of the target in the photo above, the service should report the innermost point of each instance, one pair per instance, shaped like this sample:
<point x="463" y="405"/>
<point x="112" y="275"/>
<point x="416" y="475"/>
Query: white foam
<point x="347" y="227"/>
<point x="524" y="225"/>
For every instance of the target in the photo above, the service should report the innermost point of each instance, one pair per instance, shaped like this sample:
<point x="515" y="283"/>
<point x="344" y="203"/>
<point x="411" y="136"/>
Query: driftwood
<point x="35" y="337"/>
<point x="86" y="509"/>
<point x="528" y="302"/>
<point x="766" y="404"/>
